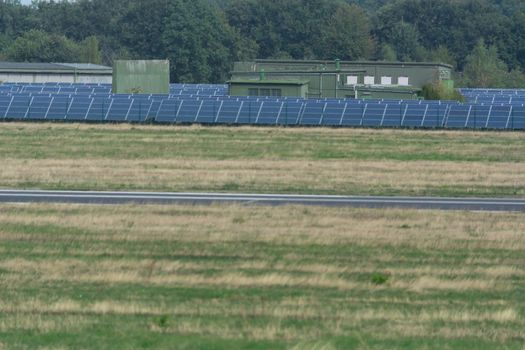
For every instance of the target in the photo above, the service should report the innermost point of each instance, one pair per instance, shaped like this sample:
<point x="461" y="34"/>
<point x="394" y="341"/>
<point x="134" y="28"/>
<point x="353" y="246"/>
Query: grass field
<point x="278" y="160"/>
<point x="231" y="277"/>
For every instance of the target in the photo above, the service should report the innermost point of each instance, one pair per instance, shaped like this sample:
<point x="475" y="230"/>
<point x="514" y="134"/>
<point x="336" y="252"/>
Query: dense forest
<point x="483" y="39"/>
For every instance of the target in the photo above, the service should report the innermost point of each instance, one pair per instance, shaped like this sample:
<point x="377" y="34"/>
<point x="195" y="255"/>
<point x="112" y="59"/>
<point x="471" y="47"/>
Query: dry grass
<point x="261" y="159"/>
<point x="320" y="176"/>
<point x="287" y="275"/>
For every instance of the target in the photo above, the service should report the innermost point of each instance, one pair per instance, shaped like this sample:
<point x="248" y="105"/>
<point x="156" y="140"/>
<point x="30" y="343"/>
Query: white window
<point x="369" y="80"/>
<point x="386" y="80"/>
<point x="351" y="80"/>
<point x="402" y="81"/>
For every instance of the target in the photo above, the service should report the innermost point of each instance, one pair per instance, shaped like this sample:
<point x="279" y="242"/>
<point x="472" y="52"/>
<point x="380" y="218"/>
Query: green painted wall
<point x="419" y="73"/>
<point x="268" y="88"/>
<point x="141" y="77"/>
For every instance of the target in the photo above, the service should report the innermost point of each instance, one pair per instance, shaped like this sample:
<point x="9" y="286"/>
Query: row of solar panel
<point x="469" y="91"/>
<point x="36" y="100"/>
<point x="102" y="90"/>
<point x="29" y="97"/>
<point x="178" y="89"/>
<point x="268" y="113"/>
<point x="496" y="99"/>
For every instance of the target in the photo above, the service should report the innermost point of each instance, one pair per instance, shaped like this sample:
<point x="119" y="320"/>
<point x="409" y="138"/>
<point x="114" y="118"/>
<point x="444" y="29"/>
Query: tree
<point x="91" y="50"/>
<point x="198" y="42"/>
<point x="38" y="46"/>
<point x="484" y="68"/>
<point x="347" y="35"/>
<point x="404" y="38"/>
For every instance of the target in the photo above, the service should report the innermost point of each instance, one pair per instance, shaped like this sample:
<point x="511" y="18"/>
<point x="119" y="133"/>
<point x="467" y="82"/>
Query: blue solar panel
<point x="78" y="108"/>
<point x="373" y="114"/>
<point x="249" y="111"/>
<point x="312" y="113"/>
<point x="333" y="114"/>
<point x="353" y="114"/>
<point x="517" y="118"/>
<point x="229" y="112"/>
<point x="18" y="107"/>
<point x="393" y="115"/>
<point x="269" y="112"/>
<point x="5" y="102"/>
<point x="205" y="103"/>
<point x="499" y="117"/>
<point x="119" y="109"/>
<point x="478" y="116"/>
<point x="188" y="111"/>
<point x="139" y="110"/>
<point x="59" y="107"/>
<point x="39" y="108"/>
<point x="414" y="115"/>
<point x="457" y="116"/>
<point x="209" y="111"/>
<point x="167" y="111"/>
<point x="99" y="109"/>
<point x="290" y="113"/>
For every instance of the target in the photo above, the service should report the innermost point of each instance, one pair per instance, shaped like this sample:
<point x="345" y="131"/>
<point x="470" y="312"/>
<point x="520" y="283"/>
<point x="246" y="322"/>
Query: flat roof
<point x="269" y="82"/>
<point x="30" y="67"/>
<point x="370" y="63"/>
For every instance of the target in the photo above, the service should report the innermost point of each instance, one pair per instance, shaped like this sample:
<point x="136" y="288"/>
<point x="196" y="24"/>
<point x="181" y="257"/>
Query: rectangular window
<point x="403" y="81"/>
<point x="351" y="80"/>
<point x="253" y="92"/>
<point x="276" y="92"/>
<point x="369" y="80"/>
<point x="265" y="92"/>
<point x="386" y="80"/>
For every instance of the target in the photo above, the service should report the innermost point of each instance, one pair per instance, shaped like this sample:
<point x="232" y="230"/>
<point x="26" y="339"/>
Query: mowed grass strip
<point x="290" y="277"/>
<point x="246" y="159"/>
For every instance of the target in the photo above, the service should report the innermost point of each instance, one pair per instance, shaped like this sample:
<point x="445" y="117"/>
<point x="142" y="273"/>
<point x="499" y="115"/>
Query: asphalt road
<point x="95" y="197"/>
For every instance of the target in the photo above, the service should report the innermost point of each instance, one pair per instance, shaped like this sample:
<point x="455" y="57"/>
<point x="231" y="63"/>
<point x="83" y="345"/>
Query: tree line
<point x="483" y="39"/>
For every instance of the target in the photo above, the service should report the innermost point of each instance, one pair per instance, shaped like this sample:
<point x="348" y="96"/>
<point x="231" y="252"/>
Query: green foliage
<point x="438" y="91"/>
<point x="203" y="38"/>
<point x="91" y="50"/>
<point x="348" y="36"/>
<point x="162" y="321"/>
<point x="39" y="46"/>
<point x="379" y="278"/>
<point x="484" y="68"/>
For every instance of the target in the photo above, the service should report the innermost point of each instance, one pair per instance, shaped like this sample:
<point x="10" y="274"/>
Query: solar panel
<point x="78" y="108"/>
<point x="290" y="112"/>
<point x="188" y="111"/>
<point x="373" y="114"/>
<point x="457" y="116"/>
<point x="333" y="114"/>
<point x="499" y="117"/>
<point x="393" y="115"/>
<point x="167" y="111"/>
<point x="5" y="102"/>
<point x="98" y="109"/>
<point x="119" y="109"/>
<point x="38" y="108"/>
<point x="312" y="113"/>
<point x="414" y="115"/>
<point x="209" y="111"/>
<point x="478" y="116"/>
<point x="18" y="107"/>
<point x="229" y="112"/>
<point x="269" y="112"/>
<point x="353" y="114"/>
<point x="249" y="111"/>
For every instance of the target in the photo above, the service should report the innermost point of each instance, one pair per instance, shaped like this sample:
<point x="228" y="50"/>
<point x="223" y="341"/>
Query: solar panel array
<point x="209" y="104"/>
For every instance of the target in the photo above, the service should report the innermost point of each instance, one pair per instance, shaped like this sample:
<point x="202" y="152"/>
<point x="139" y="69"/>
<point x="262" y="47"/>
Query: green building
<point x="335" y="79"/>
